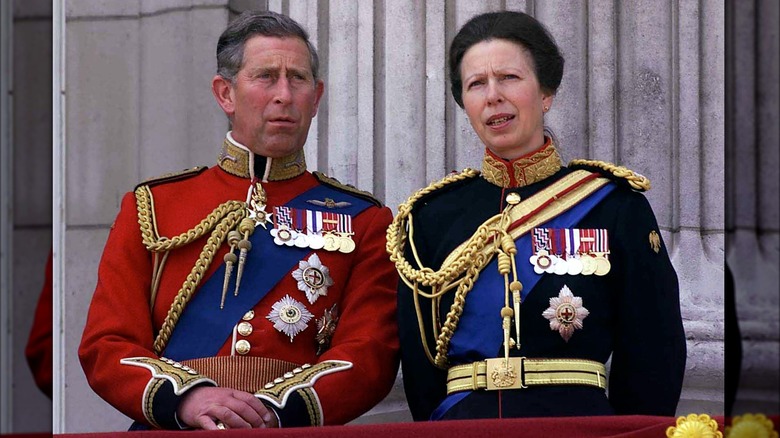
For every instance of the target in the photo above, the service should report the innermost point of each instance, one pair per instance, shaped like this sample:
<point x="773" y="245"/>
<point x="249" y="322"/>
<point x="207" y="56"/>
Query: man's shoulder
<point x="171" y="177"/>
<point x="347" y="188"/>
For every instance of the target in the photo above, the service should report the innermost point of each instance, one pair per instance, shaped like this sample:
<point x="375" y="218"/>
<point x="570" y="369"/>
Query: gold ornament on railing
<point x="694" y="426"/>
<point x="751" y="425"/>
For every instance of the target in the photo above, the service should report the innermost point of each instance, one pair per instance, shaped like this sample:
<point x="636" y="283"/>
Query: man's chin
<point x="276" y="149"/>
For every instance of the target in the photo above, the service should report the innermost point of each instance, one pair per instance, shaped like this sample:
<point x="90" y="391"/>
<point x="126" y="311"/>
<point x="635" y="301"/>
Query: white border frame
<point x="6" y="215"/>
<point x="58" y="212"/>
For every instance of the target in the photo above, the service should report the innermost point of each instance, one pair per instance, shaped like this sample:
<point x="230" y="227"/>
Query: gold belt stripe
<point x="535" y="372"/>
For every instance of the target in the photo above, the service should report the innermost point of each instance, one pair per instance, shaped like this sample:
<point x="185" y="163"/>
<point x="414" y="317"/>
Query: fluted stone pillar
<point x="753" y="214"/>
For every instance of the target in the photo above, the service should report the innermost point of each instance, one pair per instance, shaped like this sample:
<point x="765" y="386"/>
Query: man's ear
<point x="223" y="92"/>
<point x="319" y="88"/>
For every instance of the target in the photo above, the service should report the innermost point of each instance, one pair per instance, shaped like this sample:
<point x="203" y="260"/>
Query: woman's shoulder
<point x="623" y="176"/>
<point x="445" y="187"/>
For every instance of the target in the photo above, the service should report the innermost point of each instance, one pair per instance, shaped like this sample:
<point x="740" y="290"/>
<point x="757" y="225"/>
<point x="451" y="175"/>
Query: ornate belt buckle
<point x="504" y="373"/>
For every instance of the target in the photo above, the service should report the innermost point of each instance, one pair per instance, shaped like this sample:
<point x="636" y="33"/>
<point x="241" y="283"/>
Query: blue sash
<point x="479" y="334"/>
<point x="203" y="328"/>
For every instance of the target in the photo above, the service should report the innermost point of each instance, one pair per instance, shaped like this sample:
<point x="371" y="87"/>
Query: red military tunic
<point x="39" y="345"/>
<point x="122" y="326"/>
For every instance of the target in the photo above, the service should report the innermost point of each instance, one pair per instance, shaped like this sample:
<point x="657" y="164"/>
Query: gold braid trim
<point x="221" y="220"/>
<point x="151" y="238"/>
<point x="635" y="180"/>
<point x="470" y="260"/>
<point x="396" y="236"/>
<point x="473" y="255"/>
<point x="196" y="275"/>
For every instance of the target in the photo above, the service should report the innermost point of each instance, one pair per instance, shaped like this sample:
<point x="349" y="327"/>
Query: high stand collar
<point x="522" y="171"/>
<point x="236" y="159"/>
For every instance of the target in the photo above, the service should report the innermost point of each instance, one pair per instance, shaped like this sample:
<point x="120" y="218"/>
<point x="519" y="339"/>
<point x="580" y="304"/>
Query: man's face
<point x="274" y="96"/>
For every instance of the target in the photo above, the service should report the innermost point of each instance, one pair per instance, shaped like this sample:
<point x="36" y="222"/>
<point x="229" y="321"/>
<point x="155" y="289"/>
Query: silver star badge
<point x="289" y="316"/>
<point x="565" y="313"/>
<point x="313" y="278"/>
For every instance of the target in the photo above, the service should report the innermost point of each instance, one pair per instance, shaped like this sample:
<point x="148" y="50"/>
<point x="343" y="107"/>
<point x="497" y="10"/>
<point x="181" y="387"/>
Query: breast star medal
<point x="289" y="316"/>
<point x="565" y="313"/>
<point x="326" y="326"/>
<point x="313" y="278"/>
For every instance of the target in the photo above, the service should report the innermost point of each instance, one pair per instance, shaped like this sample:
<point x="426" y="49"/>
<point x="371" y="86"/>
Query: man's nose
<point x="283" y="91"/>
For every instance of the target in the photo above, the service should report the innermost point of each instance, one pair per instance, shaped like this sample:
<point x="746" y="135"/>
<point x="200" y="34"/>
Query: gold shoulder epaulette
<point x="637" y="181"/>
<point x="172" y="176"/>
<point x="336" y="184"/>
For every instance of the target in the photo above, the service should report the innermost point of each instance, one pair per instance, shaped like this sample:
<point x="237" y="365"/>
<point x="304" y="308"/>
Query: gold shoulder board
<point x="172" y="176"/>
<point x="333" y="182"/>
<point x="637" y="181"/>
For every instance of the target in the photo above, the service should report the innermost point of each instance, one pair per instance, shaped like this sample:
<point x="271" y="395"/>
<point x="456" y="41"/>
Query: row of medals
<point x="585" y="264"/>
<point x="330" y="241"/>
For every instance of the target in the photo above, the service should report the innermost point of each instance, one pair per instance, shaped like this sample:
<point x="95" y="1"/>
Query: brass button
<point x="244" y="328"/>
<point x="513" y="198"/>
<point x="248" y="315"/>
<point x="242" y="347"/>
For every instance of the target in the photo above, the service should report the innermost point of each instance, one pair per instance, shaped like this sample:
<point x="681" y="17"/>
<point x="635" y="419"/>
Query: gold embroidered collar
<point x="236" y="159"/>
<point x="522" y="171"/>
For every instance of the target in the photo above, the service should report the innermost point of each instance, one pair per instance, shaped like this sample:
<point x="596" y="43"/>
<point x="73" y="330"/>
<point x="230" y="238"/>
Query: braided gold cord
<point x="635" y="180"/>
<point x="396" y="238"/>
<point x="471" y="260"/>
<point x="154" y="243"/>
<point x="193" y="279"/>
<point x="453" y="316"/>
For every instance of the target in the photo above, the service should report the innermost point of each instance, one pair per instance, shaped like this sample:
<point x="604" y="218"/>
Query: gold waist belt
<point x="521" y="372"/>
<point x="247" y="374"/>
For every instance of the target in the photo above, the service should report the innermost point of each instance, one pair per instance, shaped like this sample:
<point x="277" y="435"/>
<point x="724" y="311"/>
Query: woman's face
<point x="502" y="97"/>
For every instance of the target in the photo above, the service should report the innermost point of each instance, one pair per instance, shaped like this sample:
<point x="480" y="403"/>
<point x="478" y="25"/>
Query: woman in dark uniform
<point x="520" y="282"/>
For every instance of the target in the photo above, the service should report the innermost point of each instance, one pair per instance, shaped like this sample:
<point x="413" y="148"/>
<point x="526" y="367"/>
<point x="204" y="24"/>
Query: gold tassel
<point x="246" y="228"/>
<point x="230" y="259"/>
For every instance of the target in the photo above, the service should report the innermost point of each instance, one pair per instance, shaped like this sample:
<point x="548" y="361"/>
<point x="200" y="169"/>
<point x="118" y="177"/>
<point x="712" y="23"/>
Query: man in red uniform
<point x="253" y="293"/>
<point x="38" y="351"/>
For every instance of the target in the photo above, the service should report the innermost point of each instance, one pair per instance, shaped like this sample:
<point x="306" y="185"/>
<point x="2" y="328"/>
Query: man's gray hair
<point x="230" y="47"/>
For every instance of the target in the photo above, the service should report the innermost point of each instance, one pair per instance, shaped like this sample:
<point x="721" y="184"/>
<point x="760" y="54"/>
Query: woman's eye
<point x="475" y="84"/>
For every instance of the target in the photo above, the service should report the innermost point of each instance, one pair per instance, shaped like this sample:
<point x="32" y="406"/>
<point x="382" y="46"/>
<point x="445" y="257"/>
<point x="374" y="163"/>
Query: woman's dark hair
<point x="516" y="27"/>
